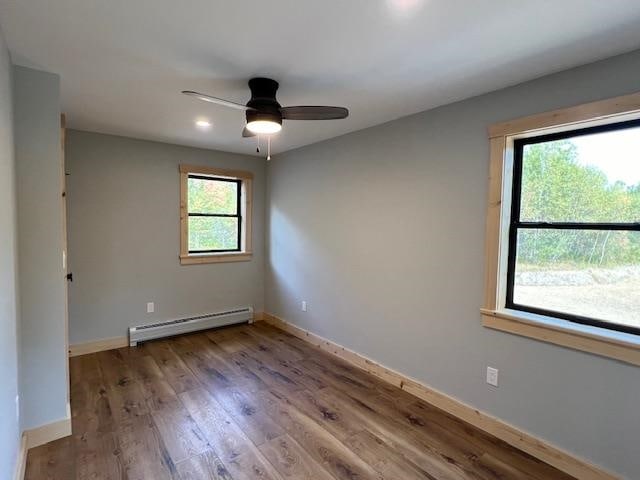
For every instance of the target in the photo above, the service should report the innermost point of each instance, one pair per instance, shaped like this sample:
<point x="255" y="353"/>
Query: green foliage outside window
<point x="557" y="188"/>
<point x="212" y="197"/>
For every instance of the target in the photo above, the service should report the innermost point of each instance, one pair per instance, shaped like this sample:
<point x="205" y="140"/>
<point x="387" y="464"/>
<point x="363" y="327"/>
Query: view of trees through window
<point x="213" y="214"/>
<point x="588" y="179"/>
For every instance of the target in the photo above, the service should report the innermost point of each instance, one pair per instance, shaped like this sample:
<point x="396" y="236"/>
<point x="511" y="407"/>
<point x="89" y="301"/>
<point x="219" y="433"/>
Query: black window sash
<point x="516" y="225"/>
<point x="237" y="215"/>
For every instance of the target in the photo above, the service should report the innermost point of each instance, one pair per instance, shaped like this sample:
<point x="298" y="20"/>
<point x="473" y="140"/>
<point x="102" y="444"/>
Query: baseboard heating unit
<point x="191" y="324"/>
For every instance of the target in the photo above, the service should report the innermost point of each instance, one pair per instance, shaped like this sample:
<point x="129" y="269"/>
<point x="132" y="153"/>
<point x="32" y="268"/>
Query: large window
<point x="574" y="233"/>
<point x="215" y="215"/>
<point x="563" y="228"/>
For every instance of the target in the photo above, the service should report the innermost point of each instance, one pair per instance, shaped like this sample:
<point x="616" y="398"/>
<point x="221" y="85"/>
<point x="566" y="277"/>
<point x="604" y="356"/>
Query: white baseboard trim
<point x="48" y="433"/>
<point x="98" y="346"/>
<point x="524" y="441"/>
<point x="21" y="461"/>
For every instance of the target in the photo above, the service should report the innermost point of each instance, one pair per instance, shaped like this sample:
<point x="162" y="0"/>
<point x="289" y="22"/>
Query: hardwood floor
<point x="252" y="402"/>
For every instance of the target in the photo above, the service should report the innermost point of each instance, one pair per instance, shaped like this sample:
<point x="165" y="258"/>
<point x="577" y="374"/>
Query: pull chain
<point x="258" y="147"/>
<point x="268" y="148"/>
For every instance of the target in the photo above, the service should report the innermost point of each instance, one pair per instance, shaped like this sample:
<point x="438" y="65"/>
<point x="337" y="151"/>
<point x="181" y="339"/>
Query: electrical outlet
<point x="151" y="307"/>
<point x="303" y="306"/>
<point x="17" y="406"/>
<point x="492" y="376"/>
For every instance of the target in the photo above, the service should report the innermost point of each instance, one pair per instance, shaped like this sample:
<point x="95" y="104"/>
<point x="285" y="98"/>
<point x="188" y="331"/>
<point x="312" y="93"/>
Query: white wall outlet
<point x="151" y="307"/>
<point x="492" y="376"/>
<point x="303" y="306"/>
<point x="18" y="407"/>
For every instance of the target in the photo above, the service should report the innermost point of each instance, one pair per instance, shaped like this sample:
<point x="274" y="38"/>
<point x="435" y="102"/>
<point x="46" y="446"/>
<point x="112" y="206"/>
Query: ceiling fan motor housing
<point x="263" y="101"/>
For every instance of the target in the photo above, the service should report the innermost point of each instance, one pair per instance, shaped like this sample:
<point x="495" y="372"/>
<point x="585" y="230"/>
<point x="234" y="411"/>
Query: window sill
<point x="198" y="259"/>
<point x="607" y="343"/>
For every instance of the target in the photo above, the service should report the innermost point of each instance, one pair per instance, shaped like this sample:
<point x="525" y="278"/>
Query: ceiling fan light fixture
<point x="263" y="112"/>
<point x="264" y="127"/>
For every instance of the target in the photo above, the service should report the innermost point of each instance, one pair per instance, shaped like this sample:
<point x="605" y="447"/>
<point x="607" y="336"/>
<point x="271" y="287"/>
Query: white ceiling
<point x="123" y="63"/>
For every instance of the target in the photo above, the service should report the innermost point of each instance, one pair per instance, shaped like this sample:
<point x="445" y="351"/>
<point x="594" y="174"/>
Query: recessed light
<point x="405" y="6"/>
<point x="203" y="123"/>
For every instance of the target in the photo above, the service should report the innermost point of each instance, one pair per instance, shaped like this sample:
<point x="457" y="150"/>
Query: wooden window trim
<point x="246" y="253"/>
<point x="618" y="345"/>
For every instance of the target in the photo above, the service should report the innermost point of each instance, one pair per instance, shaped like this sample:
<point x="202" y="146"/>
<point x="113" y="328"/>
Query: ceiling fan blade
<point x="217" y="101"/>
<point x="247" y="133"/>
<point x="317" y="112"/>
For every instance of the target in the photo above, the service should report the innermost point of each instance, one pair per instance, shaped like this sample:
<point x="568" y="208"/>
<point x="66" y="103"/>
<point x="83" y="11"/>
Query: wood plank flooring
<point x="251" y="402"/>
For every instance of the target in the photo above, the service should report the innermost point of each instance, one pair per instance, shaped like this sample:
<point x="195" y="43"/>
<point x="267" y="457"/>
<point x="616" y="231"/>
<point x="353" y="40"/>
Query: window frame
<point x="238" y="214"/>
<point x="616" y="344"/>
<point x="244" y="180"/>
<point x="516" y="224"/>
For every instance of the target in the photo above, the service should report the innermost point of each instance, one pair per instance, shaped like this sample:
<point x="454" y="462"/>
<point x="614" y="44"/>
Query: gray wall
<point x="43" y="355"/>
<point x="9" y="421"/>
<point x="124" y="237"/>
<point x="382" y="233"/>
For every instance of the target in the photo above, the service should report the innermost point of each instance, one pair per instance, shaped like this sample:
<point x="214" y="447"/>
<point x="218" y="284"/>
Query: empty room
<point x="320" y="240"/>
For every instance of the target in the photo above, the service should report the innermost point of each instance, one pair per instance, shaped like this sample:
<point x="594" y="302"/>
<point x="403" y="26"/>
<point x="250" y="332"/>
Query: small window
<point x="215" y="215"/>
<point x="574" y="234"/>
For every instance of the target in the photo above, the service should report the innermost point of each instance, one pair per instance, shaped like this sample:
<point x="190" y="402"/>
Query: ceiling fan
<point x="263" y="112"/>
